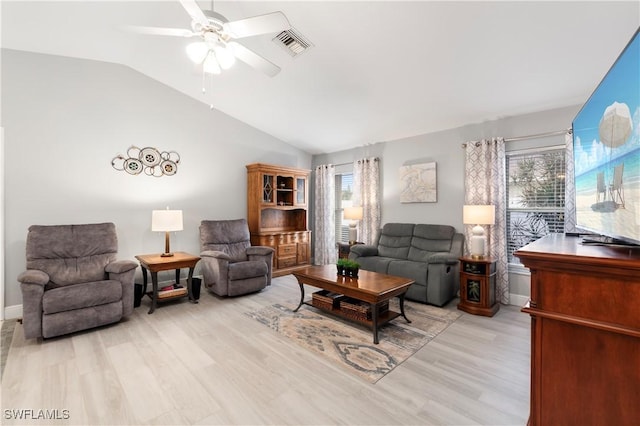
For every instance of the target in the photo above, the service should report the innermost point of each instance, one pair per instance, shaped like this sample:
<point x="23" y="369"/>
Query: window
<point x="535" y="196"/>
<point x="344" y="198"/>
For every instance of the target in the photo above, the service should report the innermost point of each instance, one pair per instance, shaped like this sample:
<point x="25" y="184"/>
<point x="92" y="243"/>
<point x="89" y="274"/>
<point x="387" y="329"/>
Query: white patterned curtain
<point x="325" y="209"/>
<point x="569" y="186"/>
<point x="366" y="193"/>
<point x="485" y="184"/>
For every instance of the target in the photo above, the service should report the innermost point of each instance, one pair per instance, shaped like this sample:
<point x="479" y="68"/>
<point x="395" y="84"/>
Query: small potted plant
<point x="341" y="265"/>
<point x="352" y="268"/>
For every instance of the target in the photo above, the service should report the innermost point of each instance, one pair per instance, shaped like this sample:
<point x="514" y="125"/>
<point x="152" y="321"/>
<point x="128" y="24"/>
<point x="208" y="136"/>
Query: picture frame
<point x="418" y="183"/>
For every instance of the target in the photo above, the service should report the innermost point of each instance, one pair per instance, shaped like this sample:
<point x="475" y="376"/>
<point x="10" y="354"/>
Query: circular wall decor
<point x="148" y="160"/>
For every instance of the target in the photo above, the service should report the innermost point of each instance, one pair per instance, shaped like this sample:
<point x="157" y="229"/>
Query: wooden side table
<point x="155" y="263"/>
<point x="478" y="286"/>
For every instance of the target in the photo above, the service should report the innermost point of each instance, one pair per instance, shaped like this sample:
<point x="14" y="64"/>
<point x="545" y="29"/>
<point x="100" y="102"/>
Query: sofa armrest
<point x="120" y="266"/>
<point x="215" y="270"/>
<point x="265" y="254"/>
<point x="446" y="258"/>
<point x="216" y="254"/>
<point x="32" y="282"/>
<point x="259" y="251"/>
<point x="34" y="276"/>
<point x="124" y="271"/>
<point x="363" y="250"/>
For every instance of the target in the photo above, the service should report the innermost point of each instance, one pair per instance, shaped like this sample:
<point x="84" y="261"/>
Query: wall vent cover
<point x="293" y="42"/>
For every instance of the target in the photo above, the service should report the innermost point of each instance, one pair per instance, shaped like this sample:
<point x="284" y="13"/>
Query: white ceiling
<point x="379" y="71"/>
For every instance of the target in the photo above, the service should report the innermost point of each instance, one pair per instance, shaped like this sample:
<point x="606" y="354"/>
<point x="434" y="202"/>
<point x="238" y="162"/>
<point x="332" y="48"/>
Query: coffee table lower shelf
<point x="383" y="317"/>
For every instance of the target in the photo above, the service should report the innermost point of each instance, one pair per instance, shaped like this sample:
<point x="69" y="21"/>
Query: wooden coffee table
<point x="370" y="287"/>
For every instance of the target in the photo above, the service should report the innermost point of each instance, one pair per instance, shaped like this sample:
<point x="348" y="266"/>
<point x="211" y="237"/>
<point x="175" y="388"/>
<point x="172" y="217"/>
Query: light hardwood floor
<point x="211" y="364"/>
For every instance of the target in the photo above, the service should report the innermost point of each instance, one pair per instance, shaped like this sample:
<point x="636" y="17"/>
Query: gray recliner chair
<point x="230" y="265"/>
<point x="73" y="281"/>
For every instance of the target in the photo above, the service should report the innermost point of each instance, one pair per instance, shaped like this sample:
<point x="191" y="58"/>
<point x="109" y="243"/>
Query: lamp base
<point x="476" y="246"/>
<point x="166" y="255"/>
<point x="353" y="233"/>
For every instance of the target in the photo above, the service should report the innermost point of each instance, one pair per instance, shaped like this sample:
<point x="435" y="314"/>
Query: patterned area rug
<point x="351" y="345"/>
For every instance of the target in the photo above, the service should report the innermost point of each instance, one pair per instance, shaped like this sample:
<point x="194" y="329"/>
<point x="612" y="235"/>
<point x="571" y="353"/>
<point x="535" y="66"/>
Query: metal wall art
<point x="149" y="160"/>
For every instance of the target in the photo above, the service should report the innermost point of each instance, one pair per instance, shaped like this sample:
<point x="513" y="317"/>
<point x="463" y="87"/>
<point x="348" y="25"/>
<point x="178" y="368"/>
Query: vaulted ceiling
<point x="378" y="70"/>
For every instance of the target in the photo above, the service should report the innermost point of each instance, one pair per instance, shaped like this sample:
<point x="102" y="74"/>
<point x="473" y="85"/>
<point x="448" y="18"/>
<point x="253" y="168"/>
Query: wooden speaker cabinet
<point x="585" y="332"/>
<point x="478" y="286"/>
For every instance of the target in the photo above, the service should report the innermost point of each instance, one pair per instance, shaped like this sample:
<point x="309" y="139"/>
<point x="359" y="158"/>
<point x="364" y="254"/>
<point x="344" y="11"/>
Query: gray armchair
<point x="230" y="265"/>
<point x="73" y="281"/>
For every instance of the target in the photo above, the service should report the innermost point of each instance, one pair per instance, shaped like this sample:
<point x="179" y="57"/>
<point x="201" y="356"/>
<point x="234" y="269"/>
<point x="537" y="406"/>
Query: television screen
<point x="606" y="149"/>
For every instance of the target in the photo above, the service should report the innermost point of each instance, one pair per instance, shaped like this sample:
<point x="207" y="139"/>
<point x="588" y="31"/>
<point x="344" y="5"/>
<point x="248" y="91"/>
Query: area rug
<point x="351" y="345"/>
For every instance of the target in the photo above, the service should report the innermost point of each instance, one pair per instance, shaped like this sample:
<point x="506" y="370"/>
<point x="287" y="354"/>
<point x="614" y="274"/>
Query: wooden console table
<point x="585" y="332"/>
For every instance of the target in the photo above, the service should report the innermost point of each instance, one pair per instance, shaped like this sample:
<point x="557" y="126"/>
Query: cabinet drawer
<point x="287" y="250"/>
<point x="267" y="240"/>
<point x="286" y="262"/>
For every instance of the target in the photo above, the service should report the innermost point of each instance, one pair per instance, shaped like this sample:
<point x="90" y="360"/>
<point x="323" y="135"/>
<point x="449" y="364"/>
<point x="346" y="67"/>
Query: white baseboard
<point x="518" y="299"/>
<point x="15" y="311"/>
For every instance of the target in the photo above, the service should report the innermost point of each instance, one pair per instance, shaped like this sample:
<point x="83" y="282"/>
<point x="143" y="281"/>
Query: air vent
<point x="293" y="42"/>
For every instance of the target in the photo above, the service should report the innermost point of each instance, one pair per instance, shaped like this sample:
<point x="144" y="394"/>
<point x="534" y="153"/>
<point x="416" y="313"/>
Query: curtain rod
<point x="344" y="164"/>
<point x="539" y="135"/>
<point x="536" y="136"/>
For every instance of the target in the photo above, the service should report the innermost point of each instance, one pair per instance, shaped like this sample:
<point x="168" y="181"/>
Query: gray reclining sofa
<point x="427" y="254"/>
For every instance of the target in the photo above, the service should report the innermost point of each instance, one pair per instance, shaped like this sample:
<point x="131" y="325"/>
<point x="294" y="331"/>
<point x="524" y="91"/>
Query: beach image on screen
<point x="607" y="152"/>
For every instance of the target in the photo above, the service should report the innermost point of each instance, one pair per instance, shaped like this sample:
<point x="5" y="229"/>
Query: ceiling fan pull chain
<point x="204" y="90"/>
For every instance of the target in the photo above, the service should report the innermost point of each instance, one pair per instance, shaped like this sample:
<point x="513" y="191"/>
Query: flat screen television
<point x="606" y="150"/>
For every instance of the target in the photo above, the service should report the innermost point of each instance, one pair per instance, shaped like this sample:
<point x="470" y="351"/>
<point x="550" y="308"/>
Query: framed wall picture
<point x="418" y="183"/>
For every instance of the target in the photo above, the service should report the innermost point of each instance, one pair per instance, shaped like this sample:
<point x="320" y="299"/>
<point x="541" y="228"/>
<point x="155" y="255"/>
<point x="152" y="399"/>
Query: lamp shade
<point x="353" y="213"/>
<point x="166" y="220"/>
<point x="478" y="214"/>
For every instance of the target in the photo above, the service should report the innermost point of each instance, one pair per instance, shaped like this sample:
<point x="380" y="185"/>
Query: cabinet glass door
<point x="301" y="191"/>
<point x="267" y="188"/>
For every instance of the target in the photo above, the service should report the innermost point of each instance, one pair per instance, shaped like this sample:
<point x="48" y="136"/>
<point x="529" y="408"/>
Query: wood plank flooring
<point x="211" y="364"/>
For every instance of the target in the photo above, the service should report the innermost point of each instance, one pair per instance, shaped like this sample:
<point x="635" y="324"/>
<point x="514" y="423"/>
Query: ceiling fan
<point x="217" y="49"/>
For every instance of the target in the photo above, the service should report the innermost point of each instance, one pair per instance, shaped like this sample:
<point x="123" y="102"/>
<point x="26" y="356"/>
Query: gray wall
<point x="65" y="119"/>
<point x="445" y="149"/>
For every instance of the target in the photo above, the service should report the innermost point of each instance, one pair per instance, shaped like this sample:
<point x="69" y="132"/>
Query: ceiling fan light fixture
<point x="225" y="56"/>
<point x="197" y="51"/>
<point x="210" y="64"/>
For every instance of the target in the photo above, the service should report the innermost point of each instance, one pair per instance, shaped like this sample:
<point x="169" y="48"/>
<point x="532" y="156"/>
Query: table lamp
<point x="478" y="215"/>
<point x="166" y="221"/>
<point x="354" y="214"/>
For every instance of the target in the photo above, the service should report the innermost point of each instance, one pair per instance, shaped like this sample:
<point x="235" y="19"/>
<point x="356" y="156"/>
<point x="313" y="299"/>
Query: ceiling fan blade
<point x="192" y="8"/>
<point x="177" y="32"/>
<point x="262" y="24"/>
<point x="254" y="60"/>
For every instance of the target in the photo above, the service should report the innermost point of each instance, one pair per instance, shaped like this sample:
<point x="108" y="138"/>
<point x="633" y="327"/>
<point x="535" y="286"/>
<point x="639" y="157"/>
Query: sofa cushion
<point x="416" y="271"/>
<point x="72" y="253"/>
<point x="78" y="296"/>
<point x="248" y="269"/>
<point x="229" y="236"/>
<point x="375" y="263"/>
<point x="430" y="239"/>
<point x="395" y="240"/>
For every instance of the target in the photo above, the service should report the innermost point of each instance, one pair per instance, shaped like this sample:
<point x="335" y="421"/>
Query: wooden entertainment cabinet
<point x="585" y="332"/>
<point x="277" y="214"/>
